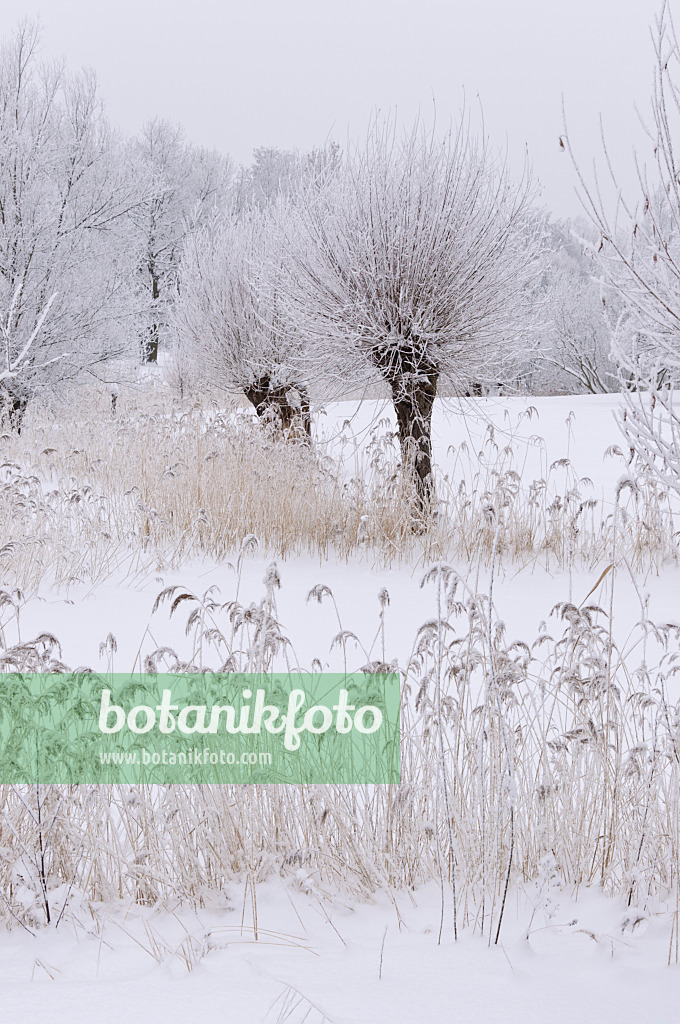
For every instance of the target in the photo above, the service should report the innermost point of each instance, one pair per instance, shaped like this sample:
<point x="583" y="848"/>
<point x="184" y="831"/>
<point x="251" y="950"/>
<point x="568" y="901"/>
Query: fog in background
<point x="293" y="73"/>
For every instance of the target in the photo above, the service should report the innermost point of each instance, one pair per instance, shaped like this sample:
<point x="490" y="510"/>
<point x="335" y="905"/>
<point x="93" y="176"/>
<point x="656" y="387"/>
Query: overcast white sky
<point x="291" y="73"/>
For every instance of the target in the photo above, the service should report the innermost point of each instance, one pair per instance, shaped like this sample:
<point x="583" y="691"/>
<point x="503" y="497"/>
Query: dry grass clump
<point x="493" y="506"/>
<point x="555" y="757"/>
<point x="155" y="484"/>
<point x="84" y="495"/>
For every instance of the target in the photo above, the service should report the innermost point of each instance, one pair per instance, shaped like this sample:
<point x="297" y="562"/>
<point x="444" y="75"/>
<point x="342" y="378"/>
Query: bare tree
<point x="184" y="185"/>
<point x="230" y="317"/>
<point x="64" y="270"/>
<point x="575" y="341"/>
<point x="280" y="174"/>
<point x="639" y="255"/>
<point x="411" y="267"/>
<point x="639" y="249"/>
<point x="273" y="174"/>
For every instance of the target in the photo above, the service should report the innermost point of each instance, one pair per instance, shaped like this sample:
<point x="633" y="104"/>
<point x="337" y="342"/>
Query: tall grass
<point x="554" y="756"/>
<point x="92" y="493"/>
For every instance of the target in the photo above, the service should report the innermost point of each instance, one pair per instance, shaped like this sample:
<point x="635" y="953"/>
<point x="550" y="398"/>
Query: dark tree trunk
<point x="413" y="383"/>
<point x="413" y="404"/>
<point x="305" y="411"/>
<point x="272" y="404"/>
<point x="16" y="407"/>
<point x="151" y="344"/>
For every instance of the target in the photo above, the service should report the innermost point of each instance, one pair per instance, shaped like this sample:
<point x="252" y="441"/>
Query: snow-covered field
<point x="565" y="954"/>
<point x="318" y="959"/>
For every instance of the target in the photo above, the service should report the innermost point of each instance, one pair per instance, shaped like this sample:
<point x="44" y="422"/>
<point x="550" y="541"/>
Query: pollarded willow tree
<point x="230" y="319"/>
<point x="413" y="264"/>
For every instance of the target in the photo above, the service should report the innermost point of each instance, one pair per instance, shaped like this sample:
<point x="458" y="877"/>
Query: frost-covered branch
<point x="14" y="365"/>
<point x="65" y="267"/>
<point x="639" y="255"/>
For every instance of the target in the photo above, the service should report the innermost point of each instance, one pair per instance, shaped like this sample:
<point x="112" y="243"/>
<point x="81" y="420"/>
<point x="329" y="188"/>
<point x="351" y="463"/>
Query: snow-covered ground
<point x="319" y="959"/>
<point x="585" y="958"/>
